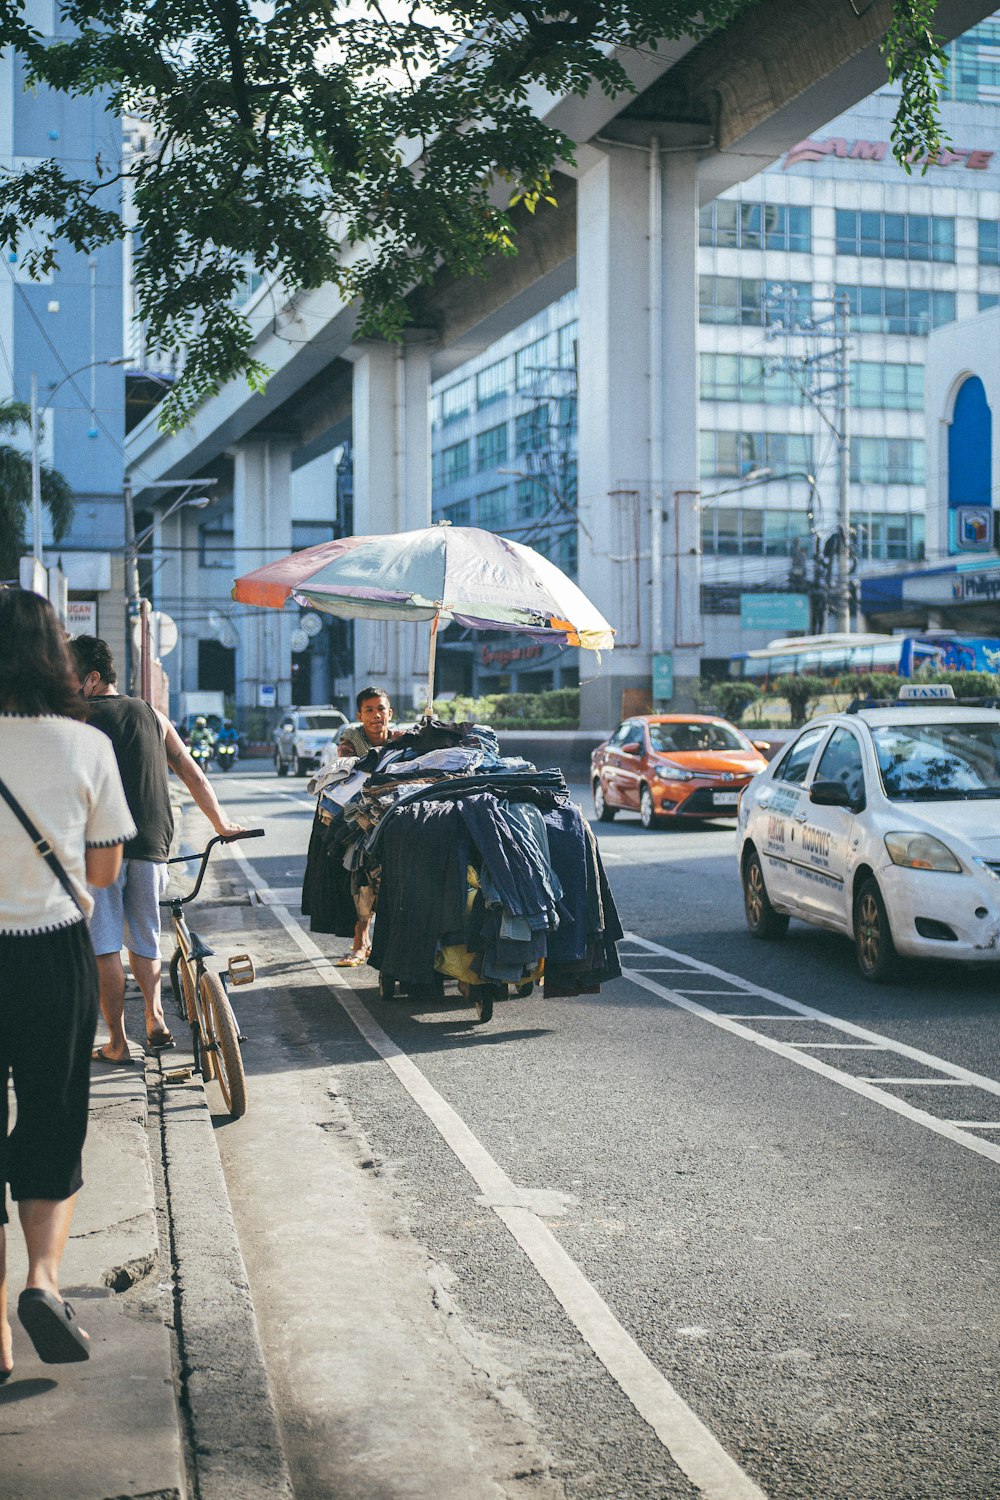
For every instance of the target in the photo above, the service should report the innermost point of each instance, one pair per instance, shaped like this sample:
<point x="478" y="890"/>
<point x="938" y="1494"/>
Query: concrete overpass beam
<point x="637" y="274"/>
<point x="262" y="532"/>
<point x="392" y="493"/>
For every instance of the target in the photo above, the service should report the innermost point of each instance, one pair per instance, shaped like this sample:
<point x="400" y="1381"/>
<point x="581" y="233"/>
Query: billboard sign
<point x="774" y="611"/>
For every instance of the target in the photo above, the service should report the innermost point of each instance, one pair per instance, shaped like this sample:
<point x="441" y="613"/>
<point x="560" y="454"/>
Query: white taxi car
<point x="883" y="824"/>
<point x="302" y="737"/>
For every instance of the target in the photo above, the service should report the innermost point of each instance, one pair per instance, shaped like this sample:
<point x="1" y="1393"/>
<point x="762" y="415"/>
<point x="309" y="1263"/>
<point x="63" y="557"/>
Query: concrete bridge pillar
<point x="637" y="273"/>
<point x="262" y="532"/>
<point x="392" y="493"/>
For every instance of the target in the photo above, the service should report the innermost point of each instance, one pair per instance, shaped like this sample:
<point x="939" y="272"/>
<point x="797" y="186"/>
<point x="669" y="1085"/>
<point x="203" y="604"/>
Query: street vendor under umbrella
<point x="375" y="715"/>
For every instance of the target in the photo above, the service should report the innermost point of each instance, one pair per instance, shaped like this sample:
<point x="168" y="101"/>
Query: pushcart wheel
<point x="386" y="987"/>
<point x="522" y="991"/>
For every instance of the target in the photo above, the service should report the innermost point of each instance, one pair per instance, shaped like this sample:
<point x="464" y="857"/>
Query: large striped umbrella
<point x="440" y="573"/>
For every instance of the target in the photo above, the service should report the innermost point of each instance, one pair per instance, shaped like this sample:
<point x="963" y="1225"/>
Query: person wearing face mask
<point x="371" y="733"/>
<point x="128" y="912"/>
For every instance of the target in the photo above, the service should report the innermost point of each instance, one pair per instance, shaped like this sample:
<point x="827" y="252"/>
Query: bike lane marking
<point x="694" y="1449"/>
<point x="798" y="1052"/>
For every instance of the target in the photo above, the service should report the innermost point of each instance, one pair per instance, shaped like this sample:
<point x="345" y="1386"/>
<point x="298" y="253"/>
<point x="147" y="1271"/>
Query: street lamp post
<point x="136" y="606"/>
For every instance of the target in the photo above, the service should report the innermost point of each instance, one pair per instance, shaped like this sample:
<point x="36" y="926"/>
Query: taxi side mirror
<point x="831" y="794"/>
<point x="632" y="748"/>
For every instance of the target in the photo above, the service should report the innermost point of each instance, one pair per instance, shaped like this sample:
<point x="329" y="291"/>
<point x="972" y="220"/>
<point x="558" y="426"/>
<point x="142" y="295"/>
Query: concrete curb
<point x="233" y="1442"/>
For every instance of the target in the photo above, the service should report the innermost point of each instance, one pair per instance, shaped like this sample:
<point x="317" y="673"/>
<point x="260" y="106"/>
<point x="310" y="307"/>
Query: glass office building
<point x="835" y="222"/>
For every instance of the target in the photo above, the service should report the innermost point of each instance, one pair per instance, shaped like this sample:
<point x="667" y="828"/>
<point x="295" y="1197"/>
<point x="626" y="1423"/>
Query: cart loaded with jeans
<point x="487" y="873"/>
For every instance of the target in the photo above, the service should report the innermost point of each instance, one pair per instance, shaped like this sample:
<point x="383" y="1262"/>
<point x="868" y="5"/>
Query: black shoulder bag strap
<point x="42" y="844"/>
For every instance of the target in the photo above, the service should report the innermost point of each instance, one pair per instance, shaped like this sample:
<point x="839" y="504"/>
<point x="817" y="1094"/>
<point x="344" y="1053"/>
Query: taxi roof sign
<point x="926" y="692"/>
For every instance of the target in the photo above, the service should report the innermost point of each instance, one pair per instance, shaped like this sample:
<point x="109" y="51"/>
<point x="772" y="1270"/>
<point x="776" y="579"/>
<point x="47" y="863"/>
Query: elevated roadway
<point x="704" y="117"/>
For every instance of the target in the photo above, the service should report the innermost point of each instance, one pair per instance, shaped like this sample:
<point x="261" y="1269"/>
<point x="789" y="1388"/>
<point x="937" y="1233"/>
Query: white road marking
<point x="693" y="1448"/>
<point x="957" y="1134"/>
<point x="833" y="1046"/>
<point x="951" y="1083"/>
<point x="269" y="789"/>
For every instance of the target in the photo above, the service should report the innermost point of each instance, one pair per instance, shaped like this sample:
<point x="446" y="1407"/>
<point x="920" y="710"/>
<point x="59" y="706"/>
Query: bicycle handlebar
<point x="219" y="838"/>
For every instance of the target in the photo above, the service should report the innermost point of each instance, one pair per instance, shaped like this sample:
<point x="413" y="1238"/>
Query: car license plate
<point x="725" y="799"/>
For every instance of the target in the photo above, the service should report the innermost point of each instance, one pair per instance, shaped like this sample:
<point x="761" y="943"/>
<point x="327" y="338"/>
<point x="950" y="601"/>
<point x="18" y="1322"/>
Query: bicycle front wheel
<point x="228" y="1058"/>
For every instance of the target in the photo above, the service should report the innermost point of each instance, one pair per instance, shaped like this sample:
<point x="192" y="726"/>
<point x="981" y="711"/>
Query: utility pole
<point x="131" y="582"/>
<point x="842" y="313"/>
<point x="36" y="475"/>
<point x="820" y="374"/>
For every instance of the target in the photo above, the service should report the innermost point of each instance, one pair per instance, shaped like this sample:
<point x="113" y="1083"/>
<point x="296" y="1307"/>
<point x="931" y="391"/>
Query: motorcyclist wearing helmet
<point x="227" y="734"/>
<point x="201" y="734"/>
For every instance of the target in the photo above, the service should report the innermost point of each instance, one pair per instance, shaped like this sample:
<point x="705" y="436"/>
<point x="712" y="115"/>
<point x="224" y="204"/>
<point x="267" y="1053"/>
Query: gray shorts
<point x="128" y="912"/>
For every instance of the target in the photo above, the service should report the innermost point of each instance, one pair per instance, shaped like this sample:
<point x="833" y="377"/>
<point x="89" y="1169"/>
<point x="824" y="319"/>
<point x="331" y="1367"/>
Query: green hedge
<point x="788" y="701"/>
<point x="557" y="709"/>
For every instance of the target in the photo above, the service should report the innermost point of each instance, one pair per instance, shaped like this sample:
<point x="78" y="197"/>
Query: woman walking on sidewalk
<point x="63" y="821"/>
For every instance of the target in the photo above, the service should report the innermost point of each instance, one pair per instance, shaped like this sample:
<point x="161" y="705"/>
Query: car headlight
<point x="670" y="772"/>
<point x="921" y="851"/>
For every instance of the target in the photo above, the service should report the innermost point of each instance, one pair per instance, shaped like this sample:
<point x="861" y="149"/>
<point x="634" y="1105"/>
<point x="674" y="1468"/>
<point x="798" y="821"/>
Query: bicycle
<point x="201" y="996"/>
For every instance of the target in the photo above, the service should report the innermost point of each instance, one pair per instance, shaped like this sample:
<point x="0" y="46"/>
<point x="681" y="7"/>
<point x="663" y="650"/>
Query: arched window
<point x="969" y="446"/>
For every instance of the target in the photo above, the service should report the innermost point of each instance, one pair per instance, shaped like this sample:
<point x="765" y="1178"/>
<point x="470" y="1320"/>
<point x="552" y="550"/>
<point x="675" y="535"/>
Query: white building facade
<point x="835" y="222"/>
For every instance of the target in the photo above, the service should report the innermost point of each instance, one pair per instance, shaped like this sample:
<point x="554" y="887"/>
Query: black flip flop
<point x="98" y="1055"/>
<point x="52" y="1327"/>
<point x="159" y="1041"/>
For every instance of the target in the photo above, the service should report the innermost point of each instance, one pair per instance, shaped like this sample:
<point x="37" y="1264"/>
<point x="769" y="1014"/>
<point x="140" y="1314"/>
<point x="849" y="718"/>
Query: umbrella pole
<point x="432" y="657"/>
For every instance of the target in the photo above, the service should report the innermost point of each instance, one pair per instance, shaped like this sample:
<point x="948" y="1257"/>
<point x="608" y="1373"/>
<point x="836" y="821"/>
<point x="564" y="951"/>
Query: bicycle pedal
<point x="241" y="969"/>
<point x="241" y="1038"/>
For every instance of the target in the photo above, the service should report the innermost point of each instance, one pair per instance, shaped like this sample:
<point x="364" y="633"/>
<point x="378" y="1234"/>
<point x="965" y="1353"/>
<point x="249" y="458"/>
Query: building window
<point x="888" y="538"/>
<point x="456" y="402"/>
<point x="988" y="300"/>
<point x="755" y="226"/>
<point x="895" y="236"/>
<point x="746" y="377"/>
<point x="727" y="455"/>
<point x="887" y="387"/>
<point x="897" y="309"/>
<point x="491" y="509"/>
<point x="567" y="415"/>
<point x="567" y="338"/>
<point x="532" y="498"/>
<point x="989" y="242"/>
<point x="727" y="531"/>
<point x="531" y="364"/>
<point x="460" y="514"/>
<point x="973" y="71"/>
<point x="455" y="463"/>
<point x="752" y="303"/>
<point x="565" y="552"/>
<point x="492" y="383"/>
<point x="531" y="429"/>
<point x="491" y="447"/>
<point x="215" y="544"/>
<point x="879" y="460"/>
<point x="310" y="534"/>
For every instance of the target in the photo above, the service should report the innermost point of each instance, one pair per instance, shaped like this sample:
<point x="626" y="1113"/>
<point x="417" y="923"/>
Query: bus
<point x="833" y="655"/>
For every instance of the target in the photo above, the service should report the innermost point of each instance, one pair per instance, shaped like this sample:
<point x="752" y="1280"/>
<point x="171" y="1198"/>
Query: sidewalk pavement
<point x="108" y="1427"/>
<point x="155" y="1273"/>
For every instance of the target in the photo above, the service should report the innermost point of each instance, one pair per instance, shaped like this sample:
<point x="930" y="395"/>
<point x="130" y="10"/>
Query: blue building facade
<point x="64" y="329"/>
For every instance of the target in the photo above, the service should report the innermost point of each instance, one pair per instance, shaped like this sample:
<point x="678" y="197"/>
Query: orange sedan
<point x="673" y="766"/>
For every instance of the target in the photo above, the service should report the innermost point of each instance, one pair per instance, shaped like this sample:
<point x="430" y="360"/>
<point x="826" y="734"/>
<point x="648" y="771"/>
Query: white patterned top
<point x="65" y="776"/>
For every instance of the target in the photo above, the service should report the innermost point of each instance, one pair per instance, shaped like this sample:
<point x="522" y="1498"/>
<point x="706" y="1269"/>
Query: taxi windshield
<point x="678" y="737"/>
<point x="322" y="721"/>
<point x="938" y="762"/>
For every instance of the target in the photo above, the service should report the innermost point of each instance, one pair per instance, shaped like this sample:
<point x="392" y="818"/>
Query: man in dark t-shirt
<point x="128" y="913"/>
